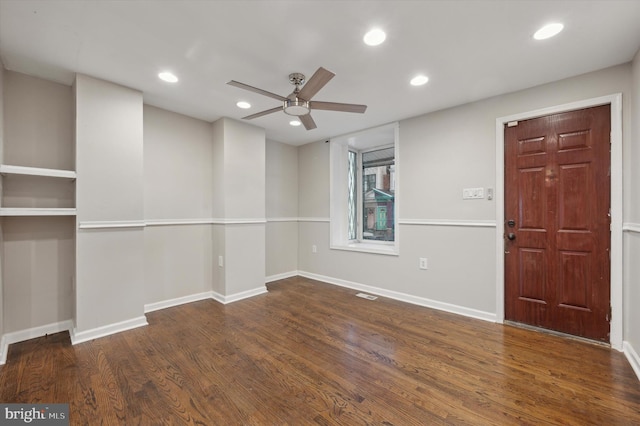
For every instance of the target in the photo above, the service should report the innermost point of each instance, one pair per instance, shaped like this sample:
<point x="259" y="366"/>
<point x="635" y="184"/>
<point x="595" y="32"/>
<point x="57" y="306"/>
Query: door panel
<point x="532" y="273"/>
<point x="557" y="195"/>
<point x="532" y="183"/>
<point x="573" y="182"/>
<point x="574" y="280"/>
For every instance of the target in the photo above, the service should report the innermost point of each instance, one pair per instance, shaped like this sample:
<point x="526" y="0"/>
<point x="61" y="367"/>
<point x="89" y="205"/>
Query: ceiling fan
<point x="299" y="102"/>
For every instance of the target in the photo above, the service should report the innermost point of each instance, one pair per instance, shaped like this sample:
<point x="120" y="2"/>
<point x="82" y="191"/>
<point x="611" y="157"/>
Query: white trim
<point x="37" y="171"/>
<point x="110" y="224"/>
<point x="238" y="296"/>
<point x="282" y="276"/>
<point x="106" y="224"/>
<point x="632" y="356"/>
<point x="449" y="222"/>
<point x="475" y="223"/>
<point x="4" y="348"/>
<point x="31" y="333"/>
<point x="313" y="219"/>
<point x="172" y="222"/>
<point x="403" y="297"/>
<point x="373" y="248"/>
<point x="631" y="227"/>
<point x="242" y="221"/>
<point x="36" y="211"/>
<point x="282" y="219"/>
<point x="156" y="306"/>
<point x="106" y="330"/>
<point x="615" y="100"/>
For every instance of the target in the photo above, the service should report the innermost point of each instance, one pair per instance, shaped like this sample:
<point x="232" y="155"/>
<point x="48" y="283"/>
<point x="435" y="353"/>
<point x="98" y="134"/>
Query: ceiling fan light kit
<point x="296" y="107"/>
<point x="298" y="103"/>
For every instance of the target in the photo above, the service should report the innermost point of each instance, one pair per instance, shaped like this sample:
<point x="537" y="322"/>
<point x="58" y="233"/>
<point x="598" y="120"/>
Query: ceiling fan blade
<point x="315" y="83"/>
<point x="336" y="106"/>
<point x="256" y="90"/>
<point x="308" y="122"/>
<point x="260" y="114"/>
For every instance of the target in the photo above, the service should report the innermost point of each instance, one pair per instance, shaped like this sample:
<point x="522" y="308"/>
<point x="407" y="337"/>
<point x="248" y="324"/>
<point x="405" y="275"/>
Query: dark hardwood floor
<point x="312" y="353"/>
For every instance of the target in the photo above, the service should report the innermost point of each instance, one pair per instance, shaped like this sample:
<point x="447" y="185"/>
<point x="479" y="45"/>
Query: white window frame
<point x="364" y="141"/>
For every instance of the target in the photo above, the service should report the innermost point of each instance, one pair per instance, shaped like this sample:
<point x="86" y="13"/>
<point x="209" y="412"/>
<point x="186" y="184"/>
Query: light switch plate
<point x="472" y="193"/>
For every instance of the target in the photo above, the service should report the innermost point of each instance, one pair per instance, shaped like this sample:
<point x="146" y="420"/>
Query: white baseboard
<point x="4" y="348"/>
<point x="238" y="296"/>
<point x="150" y="307"/>
<point x="403" y="297"/>
<point x="31" y="333"/>
<point x="633" y="357"/>
<point x="282" y="276"/>
<point x="95" y="333"/>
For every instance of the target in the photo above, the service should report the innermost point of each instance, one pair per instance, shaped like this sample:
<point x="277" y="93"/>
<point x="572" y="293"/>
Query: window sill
<point x="386" y="249"/>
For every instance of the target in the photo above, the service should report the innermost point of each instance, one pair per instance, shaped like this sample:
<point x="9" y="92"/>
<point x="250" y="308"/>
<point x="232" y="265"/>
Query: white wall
<point x="38" y="270"/>
<point x="440" y="154"/>
<point x="244" y="170"/>
<point x="177" y="190"/>
<point x="2" y="347"/>
<point x="217" y="162"/>
<point x="218" y="194"/>
<point x="2" y="74"/>
<point x="177" y="166"/>
<point x="37" y="253"/>
<point x="313" y="181"/>
<point x="109" y="145"/>
<point x="39" y="123"/>
<point x="109" y="161"/>
<point x="632" y="236"/>
<point x="239" y="192"/>
<point x="281" y="209"/>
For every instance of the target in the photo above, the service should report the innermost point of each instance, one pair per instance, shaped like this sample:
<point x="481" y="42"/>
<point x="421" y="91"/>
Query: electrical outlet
<point x="314" y="249"/>
<point x="220" y="261"/>
<point x="422" y="263"/>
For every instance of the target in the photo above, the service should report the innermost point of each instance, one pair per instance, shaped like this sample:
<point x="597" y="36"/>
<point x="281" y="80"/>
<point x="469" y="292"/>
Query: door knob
<point x="511" y="236"/>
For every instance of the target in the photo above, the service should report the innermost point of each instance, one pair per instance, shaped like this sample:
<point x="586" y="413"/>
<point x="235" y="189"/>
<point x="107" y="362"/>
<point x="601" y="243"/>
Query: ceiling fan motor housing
<point x="296" y="107"/>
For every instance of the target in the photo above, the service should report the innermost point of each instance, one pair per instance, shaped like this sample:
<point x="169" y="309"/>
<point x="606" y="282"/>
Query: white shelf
<point x="35" y="171"/>
<point x="35" y="211"/>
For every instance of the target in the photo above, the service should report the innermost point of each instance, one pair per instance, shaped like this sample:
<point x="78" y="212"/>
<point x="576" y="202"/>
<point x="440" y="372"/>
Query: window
<point x="364" y="173"/>
<point x="378" y="194"/>
<point x="352" y="208"/>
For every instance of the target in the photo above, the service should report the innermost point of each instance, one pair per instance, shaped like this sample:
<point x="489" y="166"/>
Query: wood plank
<point x="312" y="353"/>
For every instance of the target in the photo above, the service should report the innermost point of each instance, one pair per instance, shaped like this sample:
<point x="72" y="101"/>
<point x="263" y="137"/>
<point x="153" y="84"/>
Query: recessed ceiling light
<point x="374" y="37"/>
<point x="419" y="80"/>
<point x="548" y="31"/>
<point x="243" y="105"/>
<point x="168" y="77"/>
<point x="295" y="123"/>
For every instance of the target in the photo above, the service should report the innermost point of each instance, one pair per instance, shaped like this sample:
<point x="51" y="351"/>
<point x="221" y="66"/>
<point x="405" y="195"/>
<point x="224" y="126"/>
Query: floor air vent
<point x="367" y="296"/>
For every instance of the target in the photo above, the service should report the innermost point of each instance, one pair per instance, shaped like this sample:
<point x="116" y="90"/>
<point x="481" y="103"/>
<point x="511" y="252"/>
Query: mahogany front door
<point x="557" y="222"/>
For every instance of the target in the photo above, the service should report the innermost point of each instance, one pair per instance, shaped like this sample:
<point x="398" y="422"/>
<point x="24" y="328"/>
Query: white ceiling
<point x="469" y="49"/>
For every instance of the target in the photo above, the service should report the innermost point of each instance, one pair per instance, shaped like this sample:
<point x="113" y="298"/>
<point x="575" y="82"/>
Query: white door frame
<point x="615" y="100"/>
